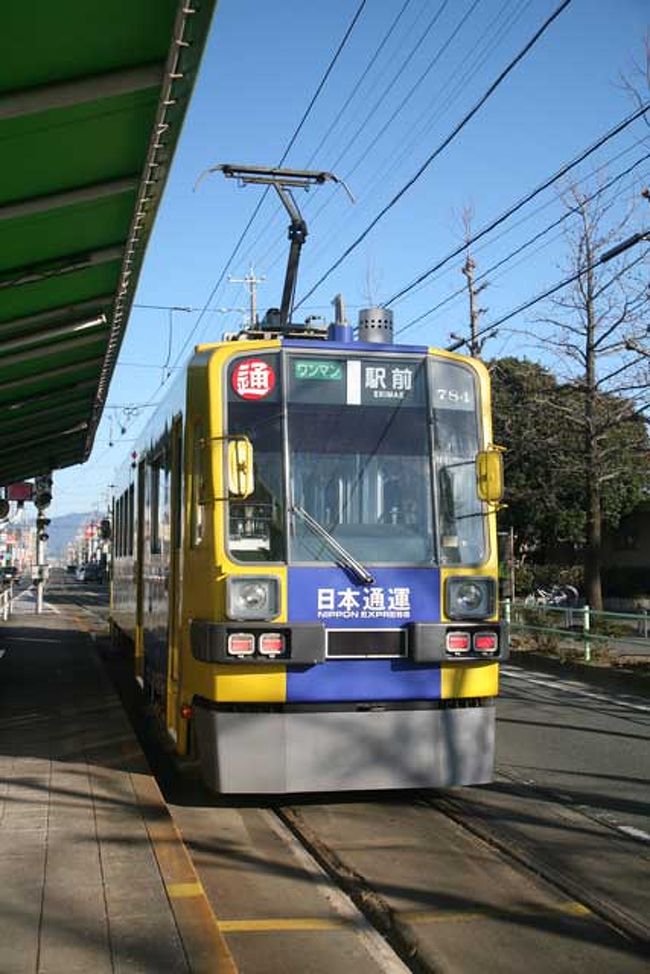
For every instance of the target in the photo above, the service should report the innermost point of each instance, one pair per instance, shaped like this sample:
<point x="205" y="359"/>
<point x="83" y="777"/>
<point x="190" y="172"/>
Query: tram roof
<point x="92" y="98"/>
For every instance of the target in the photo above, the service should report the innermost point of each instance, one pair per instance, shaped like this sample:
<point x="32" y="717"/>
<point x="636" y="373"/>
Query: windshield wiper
<point x="361" y="574"/>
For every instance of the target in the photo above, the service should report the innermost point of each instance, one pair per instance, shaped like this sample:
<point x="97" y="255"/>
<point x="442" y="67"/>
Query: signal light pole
<point x="42" y="499"/>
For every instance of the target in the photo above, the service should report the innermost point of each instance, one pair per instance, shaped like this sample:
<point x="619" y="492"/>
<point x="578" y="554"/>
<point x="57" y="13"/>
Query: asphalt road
<point x="572" y="785"/>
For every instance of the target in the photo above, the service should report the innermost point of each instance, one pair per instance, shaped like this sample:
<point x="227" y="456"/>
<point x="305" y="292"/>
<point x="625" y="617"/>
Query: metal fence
<point x="627" y="633"/>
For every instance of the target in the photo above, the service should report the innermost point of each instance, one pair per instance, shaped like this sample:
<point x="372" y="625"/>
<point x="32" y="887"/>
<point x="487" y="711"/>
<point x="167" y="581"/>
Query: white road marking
<point x="572" y="686"/>
<point x="636" y="833"/>
<point x="600" y="815"/>
<point x="565" y="686"/>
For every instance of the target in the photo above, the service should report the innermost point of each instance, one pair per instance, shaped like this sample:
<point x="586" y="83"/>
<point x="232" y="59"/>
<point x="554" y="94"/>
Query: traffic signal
<point x="43" y="491"/>
<point x="105" y="529"/>
<point x="41" y="525"/>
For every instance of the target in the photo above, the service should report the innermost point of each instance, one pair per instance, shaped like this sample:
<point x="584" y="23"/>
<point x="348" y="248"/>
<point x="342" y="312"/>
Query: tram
<point x="305" y="562"/>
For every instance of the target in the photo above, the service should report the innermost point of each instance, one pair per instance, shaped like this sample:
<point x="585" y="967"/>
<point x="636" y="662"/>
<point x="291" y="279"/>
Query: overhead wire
<point x="354" y="90"/>
<point x="489" y="41"/>
<point x="391" y="163"/>
<point x="527" y="217"/>
<point x="286" y="152"/>
<point x="442" y="146"/>
<point x="628" y="120"/>
<point x="525" y="245"/>
<point x="386" y="89"/>
<point x="393" y="81"/>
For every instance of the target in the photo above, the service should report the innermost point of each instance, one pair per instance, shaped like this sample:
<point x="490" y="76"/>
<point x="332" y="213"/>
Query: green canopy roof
<point x="92" y="98"/>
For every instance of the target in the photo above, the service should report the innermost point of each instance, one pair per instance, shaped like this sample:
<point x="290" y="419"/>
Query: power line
<point x="354" y="90"/>
<point x="522" y="202"/>
<point x="527" y="243"/>
<point x="357" y="84"/>
<point x="443" y="145"/>
<point x="434" y="19"/>
<point x="431" y="65"/>
<point x="288" y="148"/>
<point x="391" y="163"/>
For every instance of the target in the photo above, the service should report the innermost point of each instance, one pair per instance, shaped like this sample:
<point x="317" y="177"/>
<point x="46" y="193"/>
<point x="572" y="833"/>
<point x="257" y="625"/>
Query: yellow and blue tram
<point x="305" y="562"/>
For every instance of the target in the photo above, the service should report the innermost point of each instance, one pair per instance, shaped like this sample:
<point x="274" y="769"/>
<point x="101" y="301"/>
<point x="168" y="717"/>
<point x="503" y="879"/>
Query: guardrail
<point x="6" y="597"/>
<point x="586" y="625"/>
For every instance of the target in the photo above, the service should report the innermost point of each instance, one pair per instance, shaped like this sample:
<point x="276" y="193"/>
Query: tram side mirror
<point x="240" y="467"/>
<point x="489" y="474"/>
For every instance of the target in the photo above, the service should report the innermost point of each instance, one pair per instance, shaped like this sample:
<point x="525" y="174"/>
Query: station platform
<point x="94" y="876"/>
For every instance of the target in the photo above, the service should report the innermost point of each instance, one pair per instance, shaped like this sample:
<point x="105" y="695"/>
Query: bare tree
<point x="637" y="80"/>
<point x="595" y="324"/>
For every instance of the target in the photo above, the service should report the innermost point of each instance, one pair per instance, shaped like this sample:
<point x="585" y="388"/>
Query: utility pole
<point x="251" y="282"/>
<point x="474" y="344"/>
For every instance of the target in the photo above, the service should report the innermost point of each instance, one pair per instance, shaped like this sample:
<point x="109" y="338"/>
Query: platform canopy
<point x="92" y="97"/>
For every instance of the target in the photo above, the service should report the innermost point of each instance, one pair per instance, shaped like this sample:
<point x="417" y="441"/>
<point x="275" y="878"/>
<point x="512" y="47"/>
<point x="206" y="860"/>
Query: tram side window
<point x="159" y="494"/>
<point x="123" y="503"/>
<point x="128" y="546"/>
<point x="177" y="475"/>
<point x="197" y="510"/>
<point x="118" y="527"/>
<point x="154" y="488"/>
<point x="164" y="500"/>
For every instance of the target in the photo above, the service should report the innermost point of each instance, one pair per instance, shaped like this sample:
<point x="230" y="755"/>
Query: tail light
<point x="271" y="644"/>
<point x="458" y="642"/>
<point x="241" y="644"/>
<point x="486" y="642"/>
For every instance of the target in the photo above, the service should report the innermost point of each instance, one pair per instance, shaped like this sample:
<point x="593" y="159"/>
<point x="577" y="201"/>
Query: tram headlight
<point x="470" y="597"/>
<point x="252" y="597"/>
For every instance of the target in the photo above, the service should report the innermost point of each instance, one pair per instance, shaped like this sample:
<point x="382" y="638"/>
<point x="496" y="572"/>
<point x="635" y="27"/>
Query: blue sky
<point x="262" y="65"/>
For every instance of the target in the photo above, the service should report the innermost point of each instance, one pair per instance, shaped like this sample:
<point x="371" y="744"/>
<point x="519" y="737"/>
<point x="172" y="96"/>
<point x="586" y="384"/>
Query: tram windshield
<point x="374" y="447"/>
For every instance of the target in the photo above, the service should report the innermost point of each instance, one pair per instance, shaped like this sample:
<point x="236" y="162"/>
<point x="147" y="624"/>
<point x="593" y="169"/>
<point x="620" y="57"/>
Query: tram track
<point x="399" y="928"/>
<point x="518" y="851"/>
<point x="367" y="900"/>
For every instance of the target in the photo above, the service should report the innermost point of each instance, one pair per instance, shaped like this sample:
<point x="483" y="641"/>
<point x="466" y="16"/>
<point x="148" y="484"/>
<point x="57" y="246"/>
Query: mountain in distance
<point x="62" y="530"/>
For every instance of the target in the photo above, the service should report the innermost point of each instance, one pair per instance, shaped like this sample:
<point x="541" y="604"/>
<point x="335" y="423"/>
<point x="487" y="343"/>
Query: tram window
<point x="118" y="527"/>
<point x="154" y="495"/>
<point x="256" y="525"/>
<point x="163" y="503"/>
<point x="197" y="511"/>
<point x="363" y="472"/>
<point x="128" y="546"/>
<point x="456" y="439"/>
<point x="177" y="474"/>
<point x="122" y="525"/>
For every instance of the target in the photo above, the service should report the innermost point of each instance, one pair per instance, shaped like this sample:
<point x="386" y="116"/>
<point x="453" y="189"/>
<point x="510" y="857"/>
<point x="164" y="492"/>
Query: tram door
<point x="173" y="600"/>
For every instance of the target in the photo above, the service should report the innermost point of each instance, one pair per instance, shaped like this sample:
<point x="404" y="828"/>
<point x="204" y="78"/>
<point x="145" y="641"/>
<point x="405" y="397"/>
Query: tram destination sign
<point x="358" y="381"/>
